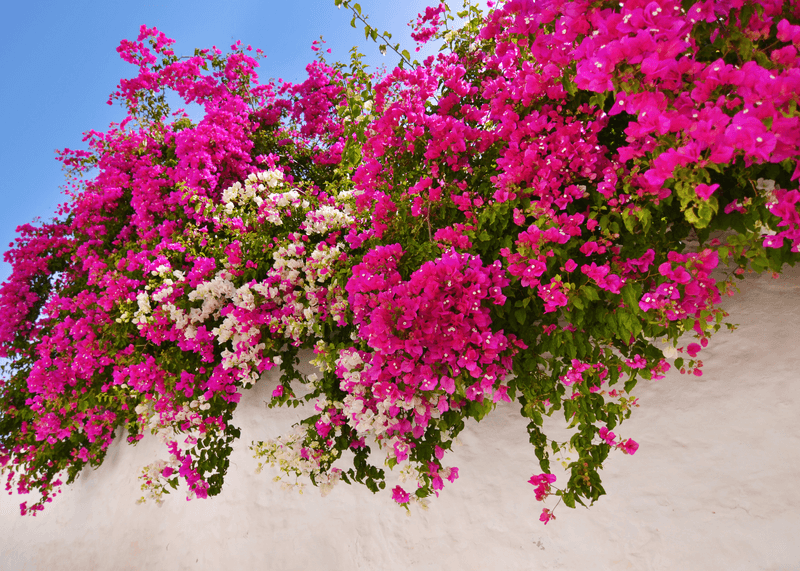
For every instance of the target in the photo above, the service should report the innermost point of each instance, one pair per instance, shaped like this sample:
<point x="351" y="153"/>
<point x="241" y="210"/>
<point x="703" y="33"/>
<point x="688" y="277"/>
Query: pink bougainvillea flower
<point x="638" y="362"/>
<point x="542" y="485"/>
<point x="607" y="435"/>
<point x="705" y="191"/>
<point x="693" y="349"/>
<point x="453" y="476"/>
<point x="400" y="495"/>
<point x="447" y="384"/>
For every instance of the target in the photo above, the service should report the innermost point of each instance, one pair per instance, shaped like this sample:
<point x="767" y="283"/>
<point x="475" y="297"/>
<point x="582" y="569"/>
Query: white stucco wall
<point x="714" y="485"/>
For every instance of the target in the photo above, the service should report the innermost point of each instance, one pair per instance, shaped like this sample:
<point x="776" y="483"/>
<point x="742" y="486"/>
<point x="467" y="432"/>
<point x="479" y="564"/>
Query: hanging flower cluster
<point x="539" y="214"/>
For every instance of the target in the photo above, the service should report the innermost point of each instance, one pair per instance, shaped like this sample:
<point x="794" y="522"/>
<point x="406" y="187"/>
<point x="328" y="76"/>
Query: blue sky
<point x="61" y="64"/>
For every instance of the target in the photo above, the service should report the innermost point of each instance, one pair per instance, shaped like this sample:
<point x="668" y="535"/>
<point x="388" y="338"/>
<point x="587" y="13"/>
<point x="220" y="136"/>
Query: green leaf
<point x="590" y="293"/>
<point x="631" y="297"/>
<point x="629" y="222"/>
<point x="357" y="8"/>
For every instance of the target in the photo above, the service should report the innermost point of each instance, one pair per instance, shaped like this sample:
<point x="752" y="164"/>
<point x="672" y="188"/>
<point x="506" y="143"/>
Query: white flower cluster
<point x="163" y="424"/>
<point x="153" y="482"/>
<point x="277" y="204"/>
<point x="140" y="318"/>
<point x="296" y="282"/>
<point x="162" y="288"/>
<point x="290" y="455"/>
<point x="163" y="292"/>
<point x="255" y="185"/>
<point x="327" y="218"/>
<point x="260" y="189"/>
<point x="214" y="294"/>
<point x="301" y="279"/>
<point x="767" y="188"/>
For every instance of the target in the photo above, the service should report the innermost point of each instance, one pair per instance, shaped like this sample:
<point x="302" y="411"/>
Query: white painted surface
<point x="714" y="485"/>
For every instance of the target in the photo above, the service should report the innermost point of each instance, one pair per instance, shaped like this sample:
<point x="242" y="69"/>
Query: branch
<point x="373" y="34"/>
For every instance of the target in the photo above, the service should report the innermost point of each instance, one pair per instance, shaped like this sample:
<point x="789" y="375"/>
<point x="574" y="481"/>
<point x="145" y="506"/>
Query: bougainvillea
<point x="543" y="213"/>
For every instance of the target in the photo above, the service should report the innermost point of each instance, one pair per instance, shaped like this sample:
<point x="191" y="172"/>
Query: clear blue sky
<point x="61" y="64"/>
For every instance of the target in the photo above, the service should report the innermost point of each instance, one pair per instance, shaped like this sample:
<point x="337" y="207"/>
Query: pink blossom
<point x="399" y="495"/>
<point x="705" y="191"/>
<point x="542" y="484"/>
<point x="638" y="362"/>
<point x="607" y="435"/>
<point x="629" y="446"/>
<point x="453" y="476"/>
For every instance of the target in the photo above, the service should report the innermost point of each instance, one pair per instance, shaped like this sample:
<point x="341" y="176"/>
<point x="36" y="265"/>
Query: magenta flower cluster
<point x="540" y="213"/>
